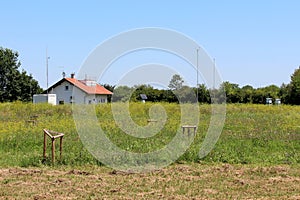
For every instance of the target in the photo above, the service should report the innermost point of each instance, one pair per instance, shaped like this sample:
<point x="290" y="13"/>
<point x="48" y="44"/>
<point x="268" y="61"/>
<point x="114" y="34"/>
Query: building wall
<point x="65" y="94"/>
<point x="44" y="98"/>
<point x="95" y="99"/>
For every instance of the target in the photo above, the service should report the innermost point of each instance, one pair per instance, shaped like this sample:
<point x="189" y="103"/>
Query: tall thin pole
<point x="197" y="86"/>
<point x="214" y="74"/>
<point x="214" y="81"/>
<point x="47" y="58"/>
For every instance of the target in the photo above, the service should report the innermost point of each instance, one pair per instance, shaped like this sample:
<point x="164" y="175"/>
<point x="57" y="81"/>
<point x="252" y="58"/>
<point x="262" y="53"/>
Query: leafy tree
<point x="169" y="96"/>
<point x="148" y="90"/>
<point x="176" y="82"/>
<point x="295" y="87"/>
<point x="110" y="88"/>
<point x="232" y="92"/>
<point x="122" y="93"/>
<point x="272" y="91"/>
<point x="203" y="94"/>
<point x="259" y="96"/>
<point x="186" y="94"/>
<point x="247" y="93"/>
<point x="15" y="85"/>
<point x="152" y="94"/>
<point x="285" y="93"/>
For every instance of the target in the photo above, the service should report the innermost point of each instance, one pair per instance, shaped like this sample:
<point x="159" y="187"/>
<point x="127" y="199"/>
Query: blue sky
<point x="253" y="42"/>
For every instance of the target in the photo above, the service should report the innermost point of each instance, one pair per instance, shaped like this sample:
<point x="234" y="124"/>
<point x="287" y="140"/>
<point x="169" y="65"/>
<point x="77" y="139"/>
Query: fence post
<point x="53" y="150"/>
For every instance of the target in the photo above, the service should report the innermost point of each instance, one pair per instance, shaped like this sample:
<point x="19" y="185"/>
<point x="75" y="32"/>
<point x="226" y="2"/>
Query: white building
<point x="42" y="98"/>
<point x="71" y="90"/>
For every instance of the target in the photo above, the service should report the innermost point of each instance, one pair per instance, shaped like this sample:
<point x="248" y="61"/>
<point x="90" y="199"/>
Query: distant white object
<point x="277" y="101"/>
<point x="269" y="101"/>
<point x="45" y="98"/>
<point x="143" y="97"/>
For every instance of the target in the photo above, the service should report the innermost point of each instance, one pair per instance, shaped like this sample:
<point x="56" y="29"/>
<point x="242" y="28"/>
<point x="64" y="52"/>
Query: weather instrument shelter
<point x="143" y="97"/>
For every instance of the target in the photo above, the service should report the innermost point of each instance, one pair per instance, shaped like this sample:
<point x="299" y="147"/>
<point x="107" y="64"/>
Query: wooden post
<point x="60" y="146"/>
<point x="45" y="145"/>
<point x="53" y="150"/>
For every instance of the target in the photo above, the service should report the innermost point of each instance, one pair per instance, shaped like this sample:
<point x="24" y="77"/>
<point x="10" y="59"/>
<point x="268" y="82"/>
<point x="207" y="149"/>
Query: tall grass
<point x="253" y="134"/>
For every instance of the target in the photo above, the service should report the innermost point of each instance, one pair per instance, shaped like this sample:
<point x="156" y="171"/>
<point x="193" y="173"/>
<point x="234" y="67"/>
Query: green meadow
<point x="252" y="134"/>
<point x="256" y="157"/>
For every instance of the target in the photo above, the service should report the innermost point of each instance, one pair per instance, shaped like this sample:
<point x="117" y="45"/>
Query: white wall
<point x="64" y="93"/>
<point x="44" y="98"/>
<point x="95" y="99"/>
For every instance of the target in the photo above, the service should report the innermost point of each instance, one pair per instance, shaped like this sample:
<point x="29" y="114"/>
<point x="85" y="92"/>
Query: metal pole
<point x="214" y="81"/>
<point x="47" y="58"/>
<point x="214" y="74"/>
<point x="197" y="86"/>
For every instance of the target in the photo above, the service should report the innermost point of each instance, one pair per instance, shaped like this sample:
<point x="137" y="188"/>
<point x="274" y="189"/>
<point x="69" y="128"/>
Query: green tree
<point x="110" y="88"/>
<point x="15" y="85"/>
<point x="153" y="95"/>
<point x="176" y="82"/>
<point x="247" y="93"/>
<point x="203" y="94"/>
<point x="186" y="95"/>
<point x="259" y="96"/>
<point x="169" y="96"/>
<point x="285" y="92"/>
<point x="122" y="93"/>
<point x="295" y="87"/>
<point x="272" y="91"/>
<point x="232" y="92"/>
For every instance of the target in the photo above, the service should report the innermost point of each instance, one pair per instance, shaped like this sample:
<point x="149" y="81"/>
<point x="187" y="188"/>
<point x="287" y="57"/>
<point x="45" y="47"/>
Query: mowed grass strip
<point x="178" y="181"/>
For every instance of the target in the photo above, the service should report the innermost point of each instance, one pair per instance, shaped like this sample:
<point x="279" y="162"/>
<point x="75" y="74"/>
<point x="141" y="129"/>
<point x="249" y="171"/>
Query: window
<point x="61" y="102"/>
<point x="66" y="87"/>
<point x="71" y="99"/>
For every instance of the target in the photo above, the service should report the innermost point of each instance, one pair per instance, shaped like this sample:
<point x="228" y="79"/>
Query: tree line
<point x="287" y="93"/>
<point x="18" y="85"/>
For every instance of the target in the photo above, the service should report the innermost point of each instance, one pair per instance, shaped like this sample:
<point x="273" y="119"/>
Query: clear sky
<point x="254" y="42"/>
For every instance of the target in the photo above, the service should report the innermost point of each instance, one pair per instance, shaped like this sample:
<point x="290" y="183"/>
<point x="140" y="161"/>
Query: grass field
<point x="257" y="156"/>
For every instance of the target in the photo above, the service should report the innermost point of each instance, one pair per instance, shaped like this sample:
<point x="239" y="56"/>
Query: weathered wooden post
<point x="53" y="150"/>
<point x="45" y="145"/>
<point x="60" y="147"/>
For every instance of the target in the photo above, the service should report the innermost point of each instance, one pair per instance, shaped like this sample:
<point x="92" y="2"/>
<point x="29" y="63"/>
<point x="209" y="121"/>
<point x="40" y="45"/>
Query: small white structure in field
<point x="71" y="90"/>
<point x="269" y="101"/>
<point x="143" y="97"/>
<point x="45" y="98"/>
<point x="278" y="101"/>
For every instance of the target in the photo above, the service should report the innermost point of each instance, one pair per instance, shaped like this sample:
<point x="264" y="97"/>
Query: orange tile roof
<point x="98" y="89"/>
